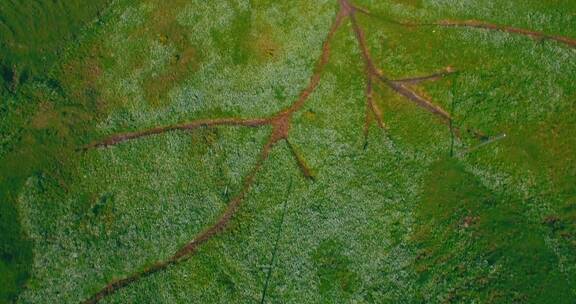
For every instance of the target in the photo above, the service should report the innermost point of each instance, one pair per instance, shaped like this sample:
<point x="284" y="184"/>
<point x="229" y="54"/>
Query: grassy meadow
<point x="410" y="214"/>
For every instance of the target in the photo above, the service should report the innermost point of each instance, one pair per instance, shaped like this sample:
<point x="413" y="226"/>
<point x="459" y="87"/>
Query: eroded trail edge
<point x="508" y="29"/>
<point x="479" y="24"/>
<point x="280" y="124"/>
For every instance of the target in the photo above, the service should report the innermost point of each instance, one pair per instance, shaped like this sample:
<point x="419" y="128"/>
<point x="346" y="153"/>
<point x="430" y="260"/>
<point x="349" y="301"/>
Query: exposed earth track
<point x="512" y="30"/>
<point x="281" y="123"/>
<point x="477" y="24"/>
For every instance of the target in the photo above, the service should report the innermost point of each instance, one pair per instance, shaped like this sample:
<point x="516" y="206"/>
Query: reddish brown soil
<point x="281" y="122"/>
<point x="513" y="30"/>
<point x="122" y="137"/>
<point x="477" y="24"/>
<point x="306" y="171"/>
<point x="400" y="87"/>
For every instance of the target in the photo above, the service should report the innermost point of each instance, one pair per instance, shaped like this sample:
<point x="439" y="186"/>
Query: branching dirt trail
<point x="281" y="122"/>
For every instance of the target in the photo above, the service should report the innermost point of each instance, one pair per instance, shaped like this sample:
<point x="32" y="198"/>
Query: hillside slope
<point x="299" y="152"/>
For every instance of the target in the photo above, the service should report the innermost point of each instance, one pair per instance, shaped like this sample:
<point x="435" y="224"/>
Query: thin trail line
<point x="485" y="143"/>
<point x="472" y="23"/>
<point x="301" y="162"/>
<point x="508" y="29"/>
<point x="276" y="244"/>
<point x="452" y="107"/>
<point x="432" y="77"/>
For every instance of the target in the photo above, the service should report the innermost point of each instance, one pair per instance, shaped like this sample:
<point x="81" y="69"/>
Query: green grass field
<point x="314" y="166"/>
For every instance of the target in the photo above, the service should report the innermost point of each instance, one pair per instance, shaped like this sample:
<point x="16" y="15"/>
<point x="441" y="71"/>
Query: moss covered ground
<point x="360" y="193"/>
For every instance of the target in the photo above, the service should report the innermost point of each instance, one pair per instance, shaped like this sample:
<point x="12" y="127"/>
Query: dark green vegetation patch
<point x="35" y="32"/>
<point x="490" y="233"/>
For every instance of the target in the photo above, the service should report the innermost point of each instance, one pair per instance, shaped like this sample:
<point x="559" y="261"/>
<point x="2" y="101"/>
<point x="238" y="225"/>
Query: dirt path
<point x="123" y="137"/>
<point x="508" y="29"/>
<point x="571" y="42"/>
<point x="281" y="123"/>
<point x="400" y="87"/>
